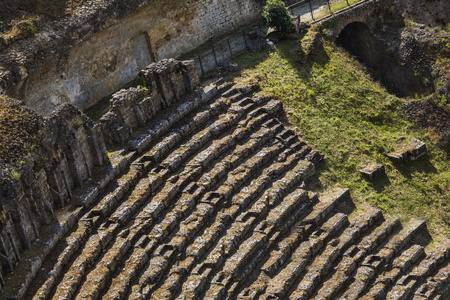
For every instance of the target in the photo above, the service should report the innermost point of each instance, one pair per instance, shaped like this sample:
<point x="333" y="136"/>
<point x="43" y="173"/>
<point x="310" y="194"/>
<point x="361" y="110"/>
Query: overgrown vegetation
<point x="21" y="19"/>
<point x="20" y="28"/>
<point x="353" y="120"/>
<point x="277" y="16"/>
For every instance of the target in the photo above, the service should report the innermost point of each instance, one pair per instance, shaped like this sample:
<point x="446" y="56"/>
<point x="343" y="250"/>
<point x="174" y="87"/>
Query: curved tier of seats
<point x="215" y="207"/>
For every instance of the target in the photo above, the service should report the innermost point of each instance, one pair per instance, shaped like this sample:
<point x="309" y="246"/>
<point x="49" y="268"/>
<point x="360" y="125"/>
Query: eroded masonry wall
<point x="70" y="146"/>
<point x="101" y="64"/>
<point x="165" y="83"/>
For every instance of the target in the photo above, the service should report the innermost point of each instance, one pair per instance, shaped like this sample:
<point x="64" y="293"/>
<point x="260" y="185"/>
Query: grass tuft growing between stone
<point x="352" y="120"/>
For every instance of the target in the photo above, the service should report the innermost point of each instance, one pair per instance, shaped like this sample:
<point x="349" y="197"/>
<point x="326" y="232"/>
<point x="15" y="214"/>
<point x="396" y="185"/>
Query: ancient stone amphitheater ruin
<point x="203" y="196"/>
<point x="207" y="201"/>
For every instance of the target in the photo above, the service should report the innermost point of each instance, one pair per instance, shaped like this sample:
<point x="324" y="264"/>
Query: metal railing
<point x="312" y="10"/>
<point x="217" y="53"/>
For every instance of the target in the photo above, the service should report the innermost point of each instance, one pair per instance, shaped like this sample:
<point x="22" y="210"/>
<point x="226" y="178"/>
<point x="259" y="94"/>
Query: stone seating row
<point x="224" y="216"/>
<point x="121" y="214"/>
<point x="214" y="205"/>
<point x="238" y="231"/>
<point x="195" y="223"/>
<point x="124" y="183"/>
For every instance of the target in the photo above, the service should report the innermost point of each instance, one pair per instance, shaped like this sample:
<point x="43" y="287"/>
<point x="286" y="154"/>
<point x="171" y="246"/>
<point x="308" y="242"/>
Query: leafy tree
<point x="276" y="15"/>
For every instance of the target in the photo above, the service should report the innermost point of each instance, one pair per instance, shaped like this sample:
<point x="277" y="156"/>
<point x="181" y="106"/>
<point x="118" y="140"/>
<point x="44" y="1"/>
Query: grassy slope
<point x="352" y="120"/>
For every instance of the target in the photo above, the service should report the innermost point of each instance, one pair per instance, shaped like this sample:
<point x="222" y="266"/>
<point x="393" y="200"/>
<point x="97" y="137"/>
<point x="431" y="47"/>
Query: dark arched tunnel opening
<point x="381" y="61"/>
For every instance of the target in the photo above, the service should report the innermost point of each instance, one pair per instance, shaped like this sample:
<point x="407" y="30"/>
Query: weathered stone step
<point x="280" y="284"/>
<point x="173" y="161"/>
<point x="128" y="208"/>
<point x="90" y="253"/>
<point x="267" y="227"/>
<point x="197" y="123"/>
<point x="409" y="282"/>
<point x="97" y="279"/>
<point x="274" y="227"/>
<point x="247" y="195"/>
<point x="323" y="264"/>
<point x="74" y="241"/>
<point x="372" y="264"/>
<point x="163" y="124"/>
<point x="171" y="219"/>
<point x="274" y="262"/>
<point x="174" y="222"/>
<point x="243" y="227"/>
<point x="107" y="204"/>
<point x="390" y="276"/>
<point x="353" y="257"/>
<point x="437" y="286"/>
<point x="193" y="224"/>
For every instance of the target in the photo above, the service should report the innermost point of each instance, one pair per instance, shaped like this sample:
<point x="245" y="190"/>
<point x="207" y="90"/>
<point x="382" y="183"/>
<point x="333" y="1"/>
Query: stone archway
<point x="382" y="61"/>
<point x="357" y="39"/>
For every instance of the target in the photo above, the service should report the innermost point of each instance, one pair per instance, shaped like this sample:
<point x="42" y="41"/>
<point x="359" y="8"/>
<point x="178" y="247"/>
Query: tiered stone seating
<point x="409" y="282"/>
<point x="214" y="206"/>
<point x="373" y="263"/>
<point x="435" y="287"/>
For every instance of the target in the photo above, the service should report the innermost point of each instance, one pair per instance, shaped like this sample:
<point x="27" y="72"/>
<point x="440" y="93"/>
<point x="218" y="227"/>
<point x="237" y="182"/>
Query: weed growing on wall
<point x="22" y="19"/>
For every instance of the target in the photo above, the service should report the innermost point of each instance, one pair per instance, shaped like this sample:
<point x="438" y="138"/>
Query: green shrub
<point x="277" y="16"/>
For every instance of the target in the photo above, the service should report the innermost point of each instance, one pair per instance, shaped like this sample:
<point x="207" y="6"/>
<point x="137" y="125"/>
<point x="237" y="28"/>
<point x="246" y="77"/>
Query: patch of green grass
<point x="353" y="120"/>
<point x="391" y="10"/>
<point x="409" y="23"/>
<point x="24" y="27"/>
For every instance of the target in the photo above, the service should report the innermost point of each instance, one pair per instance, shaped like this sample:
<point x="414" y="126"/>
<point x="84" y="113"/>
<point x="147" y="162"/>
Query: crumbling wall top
<point x="23" y="57"/>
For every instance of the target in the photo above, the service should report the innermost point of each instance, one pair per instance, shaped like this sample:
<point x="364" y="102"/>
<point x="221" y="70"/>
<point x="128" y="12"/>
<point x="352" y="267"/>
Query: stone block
<point x="372" y="171"/>
<point x="405" y="152"/>
<point x="173" y="78"/>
